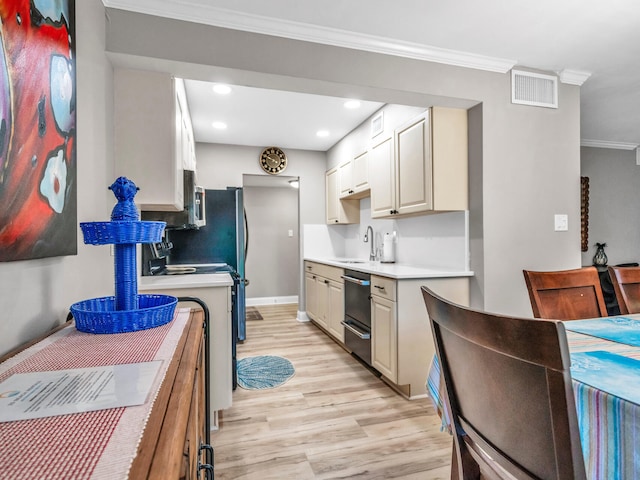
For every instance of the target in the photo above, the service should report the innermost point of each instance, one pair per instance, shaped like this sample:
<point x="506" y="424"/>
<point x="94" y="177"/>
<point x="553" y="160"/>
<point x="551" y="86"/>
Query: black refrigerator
<point x="222" y="240"/>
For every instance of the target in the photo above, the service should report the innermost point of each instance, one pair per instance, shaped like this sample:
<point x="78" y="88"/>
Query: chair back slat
<point x="508" y="389"/>
<point x="566" y="294"/>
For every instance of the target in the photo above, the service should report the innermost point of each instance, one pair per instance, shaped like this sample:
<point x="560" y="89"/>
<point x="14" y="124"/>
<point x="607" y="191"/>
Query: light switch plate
<point x="561" y="222"/>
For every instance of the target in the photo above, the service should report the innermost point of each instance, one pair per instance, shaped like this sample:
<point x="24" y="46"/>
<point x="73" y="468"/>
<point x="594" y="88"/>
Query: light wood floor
<point x="333" y="419"/>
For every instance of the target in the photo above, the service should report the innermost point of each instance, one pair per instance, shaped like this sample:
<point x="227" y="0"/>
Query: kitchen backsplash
<point x="439" y="240"/>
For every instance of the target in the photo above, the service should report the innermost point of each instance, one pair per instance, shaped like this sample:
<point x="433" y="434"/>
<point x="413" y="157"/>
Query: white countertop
<point x="189" y="280"/>
<point x="392" y="270"/>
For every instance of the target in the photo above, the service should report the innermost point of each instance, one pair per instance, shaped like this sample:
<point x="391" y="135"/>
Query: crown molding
<point x="573" y="77"/>
<point x="219" y="17"/>
<point x="607" y="144"/>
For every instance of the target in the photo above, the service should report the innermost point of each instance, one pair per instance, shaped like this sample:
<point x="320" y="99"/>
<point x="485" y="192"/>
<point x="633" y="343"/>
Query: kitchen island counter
<point x="397" y="271"/>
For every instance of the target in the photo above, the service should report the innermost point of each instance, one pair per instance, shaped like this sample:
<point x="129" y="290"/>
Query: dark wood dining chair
<point x="566" y="294"/>
<point x="508" y="392"/>
<point x="626" y="285"/>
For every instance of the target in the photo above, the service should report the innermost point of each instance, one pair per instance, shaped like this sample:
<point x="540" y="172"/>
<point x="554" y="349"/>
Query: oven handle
<point x="362" y="335"/>
<point x="364" y="283"/>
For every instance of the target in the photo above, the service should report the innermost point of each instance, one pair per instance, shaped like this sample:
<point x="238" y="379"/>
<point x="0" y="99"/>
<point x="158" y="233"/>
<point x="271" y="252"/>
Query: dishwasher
<point x="357" y="310"/>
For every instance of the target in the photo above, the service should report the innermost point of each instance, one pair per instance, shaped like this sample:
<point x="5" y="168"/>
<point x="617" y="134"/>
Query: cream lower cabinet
<point x="324" y="297"/>
<point x="335" y="315"/>
<point x="311" y="295"/>
<point x="402" y="344"/>
<point x="384" y="341"/>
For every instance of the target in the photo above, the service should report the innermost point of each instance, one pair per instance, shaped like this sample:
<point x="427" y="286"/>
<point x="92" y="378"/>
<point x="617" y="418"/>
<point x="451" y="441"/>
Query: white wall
<point x="614" y="203"/>
<point x="36" y="294"/>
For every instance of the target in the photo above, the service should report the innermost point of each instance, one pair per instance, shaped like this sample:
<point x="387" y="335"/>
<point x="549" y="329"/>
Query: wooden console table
<point x="163" y="438"/>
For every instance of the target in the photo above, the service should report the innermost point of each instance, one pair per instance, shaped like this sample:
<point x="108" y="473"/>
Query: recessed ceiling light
<point x="322" y="133"/>
<point x="351" y="104"/>
<point x="221" y="89"/>
<point x="219" y="125"/>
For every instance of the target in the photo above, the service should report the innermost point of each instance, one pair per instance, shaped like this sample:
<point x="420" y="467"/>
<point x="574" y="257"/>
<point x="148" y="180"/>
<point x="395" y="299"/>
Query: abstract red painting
<point x="38" y="179"/>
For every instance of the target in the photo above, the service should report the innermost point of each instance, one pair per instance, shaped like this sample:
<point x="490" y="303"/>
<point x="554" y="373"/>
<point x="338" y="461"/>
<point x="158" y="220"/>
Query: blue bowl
<point x="98" y="315"/>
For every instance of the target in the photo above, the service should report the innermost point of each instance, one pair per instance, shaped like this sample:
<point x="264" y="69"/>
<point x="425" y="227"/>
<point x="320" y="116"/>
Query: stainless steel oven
<point x="357" y="310"/>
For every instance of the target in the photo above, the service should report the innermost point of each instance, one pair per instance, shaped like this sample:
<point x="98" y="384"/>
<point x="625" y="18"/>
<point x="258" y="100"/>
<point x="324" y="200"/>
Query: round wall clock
<point x="273" y="160"/>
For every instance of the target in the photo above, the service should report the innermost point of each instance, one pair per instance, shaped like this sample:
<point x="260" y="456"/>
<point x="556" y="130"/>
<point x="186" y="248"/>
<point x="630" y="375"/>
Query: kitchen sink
<point x="349" y="260"/>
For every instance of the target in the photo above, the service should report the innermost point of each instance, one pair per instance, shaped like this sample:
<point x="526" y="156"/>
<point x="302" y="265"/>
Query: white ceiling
<point x="262" y="118"/>
<point x="588" y="41"/>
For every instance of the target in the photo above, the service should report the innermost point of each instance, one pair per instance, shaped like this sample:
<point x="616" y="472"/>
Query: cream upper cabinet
<point x="354" y="177"/>
<point x="339" y="211"/>
<point x="345" y="178"/>
<point x="153" y="136"/>
<point x="428" y="171"/>
<point x="382" y="178"/>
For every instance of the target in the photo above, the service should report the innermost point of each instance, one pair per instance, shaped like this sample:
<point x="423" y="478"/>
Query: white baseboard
<point x="253" y="302"/>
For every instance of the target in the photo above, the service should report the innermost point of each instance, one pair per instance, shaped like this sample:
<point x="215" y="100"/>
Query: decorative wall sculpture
<point x="584" y="213"/>
<point x="38" y="182"/>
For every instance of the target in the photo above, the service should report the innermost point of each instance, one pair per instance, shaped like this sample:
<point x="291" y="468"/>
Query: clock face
<point x="273" y="160"/>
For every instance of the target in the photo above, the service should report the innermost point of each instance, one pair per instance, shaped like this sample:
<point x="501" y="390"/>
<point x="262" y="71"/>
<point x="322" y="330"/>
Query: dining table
<point x="605" y="372"/>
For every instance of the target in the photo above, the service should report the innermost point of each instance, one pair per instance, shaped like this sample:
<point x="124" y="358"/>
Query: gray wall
<point x="530" y="158"/>
<point x="36" y="294"/>
<point x="273" y="265"/>
<point x="614" y="203"/>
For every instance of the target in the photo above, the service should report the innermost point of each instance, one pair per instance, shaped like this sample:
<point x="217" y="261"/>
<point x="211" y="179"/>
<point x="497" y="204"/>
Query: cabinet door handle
<point x="379" y="287"/>
<point x="326" y="281"/>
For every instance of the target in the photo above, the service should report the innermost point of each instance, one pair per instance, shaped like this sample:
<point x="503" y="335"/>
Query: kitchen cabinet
<point x="311" y="295"/>
<point x="402" y="345"/>
<point x="153" y="136"/>
<point x="217" y="296"/>
<point x="339" y="211"/>
<point x="428" y="170"/>
<point x="382" y="168"/>
<point x="324" y="297"/>
<point x="384" y="342"/>
<point x="179" y="415"/>
<point x="354" y="177"/>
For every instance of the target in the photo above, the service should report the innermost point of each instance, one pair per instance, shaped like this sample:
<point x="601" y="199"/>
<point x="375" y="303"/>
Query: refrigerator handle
<point x="246" y="234"/>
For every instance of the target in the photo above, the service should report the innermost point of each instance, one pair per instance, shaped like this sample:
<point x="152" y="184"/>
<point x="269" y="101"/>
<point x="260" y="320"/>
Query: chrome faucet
<point x="372" y="249"/>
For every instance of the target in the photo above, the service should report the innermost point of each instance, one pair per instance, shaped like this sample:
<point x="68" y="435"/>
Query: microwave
<point x="193" y="214"/>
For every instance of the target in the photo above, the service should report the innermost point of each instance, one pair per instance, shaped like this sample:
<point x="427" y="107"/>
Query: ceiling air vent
<point x="535" y="89"/>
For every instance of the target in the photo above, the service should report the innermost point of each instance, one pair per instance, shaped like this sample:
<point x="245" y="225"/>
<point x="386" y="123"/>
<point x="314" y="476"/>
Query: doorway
<point x="273" y="245"/>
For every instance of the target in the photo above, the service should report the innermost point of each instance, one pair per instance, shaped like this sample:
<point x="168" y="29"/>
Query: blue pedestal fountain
<point x="127" y="311"/>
